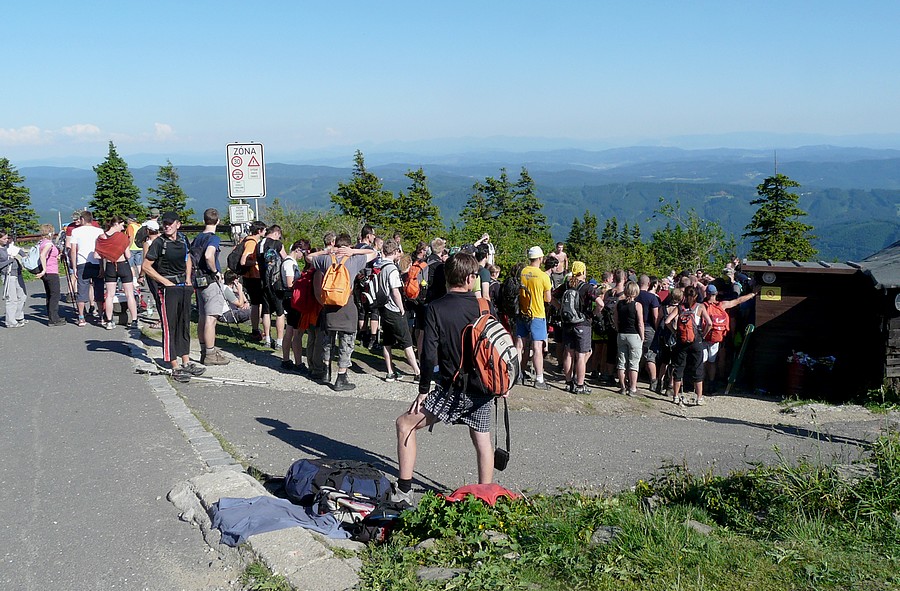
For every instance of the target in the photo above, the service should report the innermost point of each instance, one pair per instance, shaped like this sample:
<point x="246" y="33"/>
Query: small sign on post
<point x="239" y="213"/>
<point x="246" y="171"/>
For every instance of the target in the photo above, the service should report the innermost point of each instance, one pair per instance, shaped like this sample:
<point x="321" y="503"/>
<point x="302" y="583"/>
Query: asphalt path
<point x="88" y="457"/>
<point x="270" y="429"/>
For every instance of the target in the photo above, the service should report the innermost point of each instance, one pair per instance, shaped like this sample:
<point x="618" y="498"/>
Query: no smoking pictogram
<point x="236" y="161"/>
<point x="237" y="174"/>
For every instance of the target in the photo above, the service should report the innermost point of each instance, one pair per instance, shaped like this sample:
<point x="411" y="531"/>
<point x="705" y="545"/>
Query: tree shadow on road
<point x="321" y="446"/>
<point x="792" y="431"/>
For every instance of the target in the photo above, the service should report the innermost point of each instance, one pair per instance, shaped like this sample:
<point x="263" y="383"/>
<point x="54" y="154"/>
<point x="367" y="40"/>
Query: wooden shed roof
<point x="883" y="267"/>
<point x="799" y="267"/>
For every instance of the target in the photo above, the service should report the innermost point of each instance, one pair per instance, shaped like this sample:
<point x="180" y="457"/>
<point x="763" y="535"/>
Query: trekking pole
<point x="70" y="295"/>
<point x="732" y="377"/>
<point x="224" y="381"/>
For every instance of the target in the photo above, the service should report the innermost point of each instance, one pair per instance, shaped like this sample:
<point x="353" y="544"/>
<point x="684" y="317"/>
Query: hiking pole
<point x="732" y="377"/>
<point x="225" y="381"/>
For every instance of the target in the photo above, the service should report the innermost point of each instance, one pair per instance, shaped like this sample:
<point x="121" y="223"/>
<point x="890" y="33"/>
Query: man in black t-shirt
<point x="168" y="264"/>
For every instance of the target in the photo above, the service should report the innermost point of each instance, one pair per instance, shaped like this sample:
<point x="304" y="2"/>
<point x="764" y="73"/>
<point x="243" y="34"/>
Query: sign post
<point x="246" y="172"/>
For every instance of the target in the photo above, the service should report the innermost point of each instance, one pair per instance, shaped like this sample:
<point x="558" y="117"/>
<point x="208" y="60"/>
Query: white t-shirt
<point x="392" y="281"/>
<point x="289" y="266"/>
<point x="85" y="237"/>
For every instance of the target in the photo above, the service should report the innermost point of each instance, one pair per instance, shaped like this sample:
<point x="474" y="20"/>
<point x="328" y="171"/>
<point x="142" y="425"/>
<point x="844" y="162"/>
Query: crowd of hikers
<point x="315" y="302"/>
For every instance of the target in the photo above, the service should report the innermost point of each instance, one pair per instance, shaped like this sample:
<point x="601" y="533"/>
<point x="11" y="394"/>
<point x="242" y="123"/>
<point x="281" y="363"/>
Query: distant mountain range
<point x="852" y="194"/>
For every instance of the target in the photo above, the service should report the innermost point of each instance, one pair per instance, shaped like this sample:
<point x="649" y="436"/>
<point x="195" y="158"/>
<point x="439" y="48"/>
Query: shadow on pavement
<point x="320" y="446"/>
<point x="791" y="431"/>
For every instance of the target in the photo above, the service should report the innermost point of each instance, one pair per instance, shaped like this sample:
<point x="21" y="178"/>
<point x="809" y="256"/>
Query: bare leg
<point x="484" y="453"/>
<point x="407" y="425"/>
<point x="108" y="299"/>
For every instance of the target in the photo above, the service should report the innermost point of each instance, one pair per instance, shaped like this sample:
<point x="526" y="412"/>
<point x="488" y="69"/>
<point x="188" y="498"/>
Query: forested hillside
<point x="850" y="222"/>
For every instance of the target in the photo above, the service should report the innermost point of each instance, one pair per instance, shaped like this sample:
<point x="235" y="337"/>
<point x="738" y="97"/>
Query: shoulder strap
<point x="484" y="307"/>
<point x="497" y="420"/>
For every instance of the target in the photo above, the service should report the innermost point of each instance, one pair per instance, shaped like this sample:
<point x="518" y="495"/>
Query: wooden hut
<point x="823" y="310"/>
<point x="883" y="270"/>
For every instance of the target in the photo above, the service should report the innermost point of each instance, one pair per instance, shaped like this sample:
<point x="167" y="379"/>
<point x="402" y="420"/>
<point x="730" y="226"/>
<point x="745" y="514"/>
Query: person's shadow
<point x="321" y="446"/>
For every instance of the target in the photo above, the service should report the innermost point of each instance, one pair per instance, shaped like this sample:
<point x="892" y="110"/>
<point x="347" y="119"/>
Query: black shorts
<point x="363" y="309"/>
<point x="253" y="285"/>
<point x="115" y="271"/>
<point x="293" y="315"/>
<point x="395" y="330"/>
<point x="577" y="337"/>
<point x="273" y="303"/>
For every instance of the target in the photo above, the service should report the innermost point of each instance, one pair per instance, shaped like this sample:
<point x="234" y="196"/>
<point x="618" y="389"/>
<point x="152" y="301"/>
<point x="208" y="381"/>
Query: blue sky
<point x="190" y="76"/>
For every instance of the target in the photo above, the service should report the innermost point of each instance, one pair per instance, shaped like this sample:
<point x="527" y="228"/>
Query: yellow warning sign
<point x="770" y="294"/>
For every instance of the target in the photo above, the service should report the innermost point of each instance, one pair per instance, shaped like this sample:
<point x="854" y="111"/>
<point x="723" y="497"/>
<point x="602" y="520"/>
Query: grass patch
<point x="257" y="577"/>
<point x="788" y="526"/>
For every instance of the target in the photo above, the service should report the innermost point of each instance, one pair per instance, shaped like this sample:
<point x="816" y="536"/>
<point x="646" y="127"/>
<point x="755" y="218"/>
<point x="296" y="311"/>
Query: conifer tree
<point x="415" y="215"/>
<point x="16" y="214"/>
<point x="364" y="197"/>
<point x="775" y="231"/>
<point x="115" y="193"/>
<point x="168" y="195"/>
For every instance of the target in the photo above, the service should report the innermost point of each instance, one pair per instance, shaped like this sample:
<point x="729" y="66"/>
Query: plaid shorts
<point x="460" y="408"/>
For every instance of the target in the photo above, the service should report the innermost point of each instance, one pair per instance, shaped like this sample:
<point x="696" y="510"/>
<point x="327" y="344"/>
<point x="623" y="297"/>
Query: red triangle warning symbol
<point x="253" y="161"/>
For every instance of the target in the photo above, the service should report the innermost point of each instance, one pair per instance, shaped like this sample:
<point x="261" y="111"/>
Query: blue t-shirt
<point x="215" y="241"/>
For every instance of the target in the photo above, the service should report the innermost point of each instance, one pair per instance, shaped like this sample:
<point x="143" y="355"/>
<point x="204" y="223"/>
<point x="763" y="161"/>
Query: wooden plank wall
<point x="821" y="314"/>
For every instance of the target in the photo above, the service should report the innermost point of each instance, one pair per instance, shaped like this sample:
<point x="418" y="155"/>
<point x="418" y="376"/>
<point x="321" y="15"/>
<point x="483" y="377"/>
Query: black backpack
<point x="233" y="262"/>
<point x="271" y="266"/>
<point x="510" y="290"/>
<point x="197" y="251"/>
<point x="305" y="478"/>
<point x="141" y="236"/>
<point x="571" y="308"/>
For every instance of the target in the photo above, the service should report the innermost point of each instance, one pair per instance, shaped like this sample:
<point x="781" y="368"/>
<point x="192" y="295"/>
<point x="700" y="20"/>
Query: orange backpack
<point x="720" y="322"/>
<point x="489" y="356"/>
<point x="412" y="281"/>
<point x="336" y="284"/>
<point x="687" y="324"/>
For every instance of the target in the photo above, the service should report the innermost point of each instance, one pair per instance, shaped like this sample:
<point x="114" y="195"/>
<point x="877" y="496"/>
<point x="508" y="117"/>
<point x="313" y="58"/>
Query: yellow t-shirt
<point x="131" y="232"/>
<point x="536" y="283"/>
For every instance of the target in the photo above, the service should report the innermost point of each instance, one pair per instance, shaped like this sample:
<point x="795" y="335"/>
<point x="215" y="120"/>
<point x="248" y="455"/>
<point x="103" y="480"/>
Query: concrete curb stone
<point x="305" y="559"/>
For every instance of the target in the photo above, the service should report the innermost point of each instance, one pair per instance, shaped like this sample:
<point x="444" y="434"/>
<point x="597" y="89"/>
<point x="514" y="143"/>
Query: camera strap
<point x="497" y="420"/>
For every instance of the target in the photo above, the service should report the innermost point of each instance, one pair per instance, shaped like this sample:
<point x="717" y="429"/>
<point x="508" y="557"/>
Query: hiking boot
<point x="398" y="496"/>
<point x="180" y="375"/>
<point x="582" y="389"/>
<point x="288" y="365"/>
<point x="59" y="322"/>
<point x="134" y="324"/>
<point x="215" y="357"/>
<point x="301" y="369"/>
<point x="109" y="325"/>
<point x="700" y="401"/>
<point x="192" y="368"/>
<point x="317" y="376"/>
<point x="342" y="383"/>
<point x="391" y="377"/>
<point x="570" y="386"/>
<point x="255" y="335"/>
<point x="541" y="385"/>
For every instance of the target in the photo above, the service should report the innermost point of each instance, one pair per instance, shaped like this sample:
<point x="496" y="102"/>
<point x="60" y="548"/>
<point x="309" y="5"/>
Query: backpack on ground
<point x="32" y="260"/>
<point x="233" y="262"/>
<point x="377" y="292"/>
<point x="687" y="325"/>
<point x="489" y="356"/>
<point x="336" y="284"/>
<point x="571" y="310"/>
<point x="720" y="322"/>
<point x="359" y="481"/>
<point x="412" y="281"/>
<point x="271" y="263"/>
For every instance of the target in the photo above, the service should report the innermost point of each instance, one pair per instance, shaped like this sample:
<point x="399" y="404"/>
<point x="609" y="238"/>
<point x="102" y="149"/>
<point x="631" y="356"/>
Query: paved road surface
<point x="88" y="457"/>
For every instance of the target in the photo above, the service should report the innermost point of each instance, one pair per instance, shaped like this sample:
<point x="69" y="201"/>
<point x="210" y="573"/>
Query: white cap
<point x="535" y="252"/>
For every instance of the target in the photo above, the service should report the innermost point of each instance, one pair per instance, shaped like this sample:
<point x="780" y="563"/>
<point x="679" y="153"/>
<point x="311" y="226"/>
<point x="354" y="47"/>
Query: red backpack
<point x="720" y="322"/>
<point x="489" y="355"/>
<point x="303" y="298"/>
<point x="687" y="324"/>
<point x="412" y="281"/>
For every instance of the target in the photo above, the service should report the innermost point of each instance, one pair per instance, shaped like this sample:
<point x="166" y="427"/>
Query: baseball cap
<point x="711" y="289"/>
<point x="169" y="217"/>
<point x="152" y="225"/>
<point x="154" y="212"/>
<point x="578" y="268"/>
<point x="535" y="252"/>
